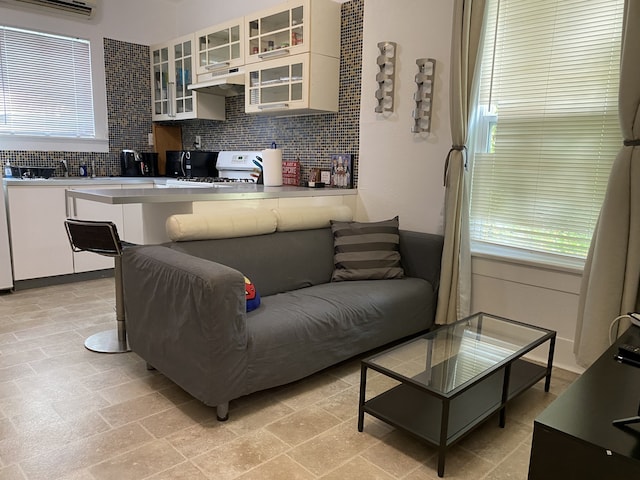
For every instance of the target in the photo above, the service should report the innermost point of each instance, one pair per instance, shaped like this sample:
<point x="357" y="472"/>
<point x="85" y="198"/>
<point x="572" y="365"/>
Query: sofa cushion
<point x="312" y="328"/>
<point x="304" y="218"/>
<point x="366" y="251"/>
<point x="241" y="222"/>
<point x="277" y="262"/>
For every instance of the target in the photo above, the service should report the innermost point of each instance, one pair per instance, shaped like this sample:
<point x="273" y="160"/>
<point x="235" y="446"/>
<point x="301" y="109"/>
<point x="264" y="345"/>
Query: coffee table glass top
<point x="445" y="359"/>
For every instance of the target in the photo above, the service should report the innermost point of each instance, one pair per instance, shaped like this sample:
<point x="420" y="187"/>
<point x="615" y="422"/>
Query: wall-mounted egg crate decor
<point x="424" y="95"/>
<point x="386" y="77"/>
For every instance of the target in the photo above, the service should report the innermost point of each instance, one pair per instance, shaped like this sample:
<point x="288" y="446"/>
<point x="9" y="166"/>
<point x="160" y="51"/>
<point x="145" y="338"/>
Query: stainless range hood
<point x="228" y="83"/>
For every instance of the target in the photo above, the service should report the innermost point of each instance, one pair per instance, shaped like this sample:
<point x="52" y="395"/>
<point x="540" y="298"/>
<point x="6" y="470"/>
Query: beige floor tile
<point x="460" y="464"/>
<point x="136" y="409"/>
<point x="332" y="448"/>
<point x="302" y="425"/>
<point x="182" y="471"/>
<point x="240" y="455"/>
<point x="12" y="472"/>
<point x="201" y="438"/>
<point x="256" y="415"/>
<point x="493" y="443"/>
<point x="279" y="468"/>
<point x="134" y="388"/>
<point x="398" y="453"/>
<point x="513" y="467"/>
<point x="357" y="469"/>
<point x="343" y="405"/>
<point x="85" y="453"/>
<point x="178" y="418"/>
<point x="139" y="463"/>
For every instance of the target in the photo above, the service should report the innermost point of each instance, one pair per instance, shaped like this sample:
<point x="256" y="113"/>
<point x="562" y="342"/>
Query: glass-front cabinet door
<point x="285" y="84"/>
<point x="277" y="32"/>
<point x="171" y="74"/>
<point x="160" y="81"/>
<point x="220" y="48"/>
<point x="182" y="74"/>
<point x="276" y="87"/>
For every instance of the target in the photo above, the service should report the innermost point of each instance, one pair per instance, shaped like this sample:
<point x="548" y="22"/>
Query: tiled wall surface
<point x="312" y="137"/>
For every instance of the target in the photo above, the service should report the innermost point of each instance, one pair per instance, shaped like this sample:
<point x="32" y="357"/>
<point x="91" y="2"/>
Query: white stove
<point x="232" y="167"/>
<point x="242" y="166"/>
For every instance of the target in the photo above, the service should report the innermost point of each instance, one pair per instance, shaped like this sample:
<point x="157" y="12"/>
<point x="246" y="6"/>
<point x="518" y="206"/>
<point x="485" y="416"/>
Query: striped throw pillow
<point x="366" y="251"/>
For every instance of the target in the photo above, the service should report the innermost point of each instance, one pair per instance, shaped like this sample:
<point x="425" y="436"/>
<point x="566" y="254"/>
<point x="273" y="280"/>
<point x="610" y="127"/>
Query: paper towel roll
<point x="272" y="167"/>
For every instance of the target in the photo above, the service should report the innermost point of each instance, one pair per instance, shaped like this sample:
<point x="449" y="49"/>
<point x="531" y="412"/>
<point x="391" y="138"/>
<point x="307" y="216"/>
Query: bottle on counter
<point x="8" y="173"/>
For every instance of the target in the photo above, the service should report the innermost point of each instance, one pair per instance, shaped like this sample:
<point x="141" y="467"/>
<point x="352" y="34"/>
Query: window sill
<point x="520" y="257"/>
<point x="51" y="144"/>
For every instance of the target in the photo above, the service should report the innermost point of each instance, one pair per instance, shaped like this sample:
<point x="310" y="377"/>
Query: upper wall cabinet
<point x="220" y="49"/>
<point x="172" y="69"/>
<point x="294" y="60"/>
<point x="297" y="26"/>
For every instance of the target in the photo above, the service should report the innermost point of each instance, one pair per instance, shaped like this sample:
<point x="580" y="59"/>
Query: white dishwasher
<point x="6" y="274"/>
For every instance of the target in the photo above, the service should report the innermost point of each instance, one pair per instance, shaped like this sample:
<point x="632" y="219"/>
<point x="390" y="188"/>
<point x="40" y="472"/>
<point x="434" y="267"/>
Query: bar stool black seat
<point x="101" y="237"/>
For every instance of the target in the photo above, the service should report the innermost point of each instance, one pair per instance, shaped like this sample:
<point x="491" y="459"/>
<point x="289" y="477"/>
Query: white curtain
<point x="454" y="295"/>
<point x="612" y="272"/>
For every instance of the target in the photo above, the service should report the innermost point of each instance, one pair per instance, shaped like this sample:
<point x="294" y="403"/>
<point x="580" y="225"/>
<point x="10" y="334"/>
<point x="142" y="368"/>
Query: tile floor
<point x="67" y="413"/>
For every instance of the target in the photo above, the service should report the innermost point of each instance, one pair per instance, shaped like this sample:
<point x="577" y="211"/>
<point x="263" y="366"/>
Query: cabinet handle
<point x="170" y="111"/>
<point x="275" y="106"/>
<point x="281" y="52"/>
<point x="217" y="66"/>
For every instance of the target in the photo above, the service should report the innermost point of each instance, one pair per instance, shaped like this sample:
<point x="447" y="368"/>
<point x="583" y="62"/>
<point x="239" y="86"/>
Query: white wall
<point x="400" y="173"/>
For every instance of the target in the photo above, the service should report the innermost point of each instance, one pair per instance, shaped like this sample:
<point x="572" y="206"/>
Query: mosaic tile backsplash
<point x="312" y="138"/>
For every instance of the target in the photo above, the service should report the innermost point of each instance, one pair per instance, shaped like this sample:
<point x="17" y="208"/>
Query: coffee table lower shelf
<point x="442" y="421"/>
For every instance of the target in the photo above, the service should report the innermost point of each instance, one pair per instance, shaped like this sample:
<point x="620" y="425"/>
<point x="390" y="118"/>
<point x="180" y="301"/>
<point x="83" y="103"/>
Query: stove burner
<point x="216" y="180"/>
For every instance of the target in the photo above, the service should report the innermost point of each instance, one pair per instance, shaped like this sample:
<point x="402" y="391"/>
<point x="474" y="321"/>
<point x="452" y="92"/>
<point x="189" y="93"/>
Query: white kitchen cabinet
<point x="292" y="28"/>
<point x="39" y="243"/>
<point x="219" y="49"/>
<point x="305" y="83"/>
<point x="40" y="247"/>
<point x="172" y="70"/>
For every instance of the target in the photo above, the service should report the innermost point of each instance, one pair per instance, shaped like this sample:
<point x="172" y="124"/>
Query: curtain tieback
<point x="458" y="148"/>
<point x="632" y="143"/>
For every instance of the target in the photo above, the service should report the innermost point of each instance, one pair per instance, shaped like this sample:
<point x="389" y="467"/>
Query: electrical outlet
<point x="197" y="143"/>
<point x="150" y="139"/>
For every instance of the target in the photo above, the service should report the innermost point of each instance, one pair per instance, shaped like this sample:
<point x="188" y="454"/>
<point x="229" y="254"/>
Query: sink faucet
<point x="65" y="169"/>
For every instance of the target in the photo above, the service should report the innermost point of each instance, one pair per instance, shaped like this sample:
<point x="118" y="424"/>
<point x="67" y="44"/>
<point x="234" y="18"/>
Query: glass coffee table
<point x="452" y="379"/>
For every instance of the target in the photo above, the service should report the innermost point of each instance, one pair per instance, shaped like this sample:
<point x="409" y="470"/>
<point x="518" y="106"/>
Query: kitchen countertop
<point x="175" y="195"/>
<point x="82" y="188"/>
<point x="81" y="181"/>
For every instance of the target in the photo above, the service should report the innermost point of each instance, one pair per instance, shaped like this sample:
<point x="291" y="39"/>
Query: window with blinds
<point x="45" y="85"/>
<point x="546" y="131"/>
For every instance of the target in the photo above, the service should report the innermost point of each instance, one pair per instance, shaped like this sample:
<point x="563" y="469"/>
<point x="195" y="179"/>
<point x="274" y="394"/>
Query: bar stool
<point x="102" y="238"/>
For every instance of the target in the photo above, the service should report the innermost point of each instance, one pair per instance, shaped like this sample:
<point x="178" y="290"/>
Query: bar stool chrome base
<point x="102" y="238"/>
<point x="107" y="342"/>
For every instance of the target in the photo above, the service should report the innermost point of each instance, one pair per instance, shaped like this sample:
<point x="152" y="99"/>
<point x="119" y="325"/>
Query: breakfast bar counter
<point x="235" y="191"/>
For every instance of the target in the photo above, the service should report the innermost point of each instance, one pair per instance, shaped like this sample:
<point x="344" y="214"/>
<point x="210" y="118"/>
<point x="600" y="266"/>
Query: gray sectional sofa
<point x="185" y="308"/>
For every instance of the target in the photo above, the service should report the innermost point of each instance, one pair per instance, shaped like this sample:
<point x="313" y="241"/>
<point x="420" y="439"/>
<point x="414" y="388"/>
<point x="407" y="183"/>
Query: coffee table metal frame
<point x="441" y="418"/>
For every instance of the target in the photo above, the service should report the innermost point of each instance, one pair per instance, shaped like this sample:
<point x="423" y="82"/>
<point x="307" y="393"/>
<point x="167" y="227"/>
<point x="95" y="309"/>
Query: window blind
<point x="45" y="85"/>
<point x="549" y="86"/>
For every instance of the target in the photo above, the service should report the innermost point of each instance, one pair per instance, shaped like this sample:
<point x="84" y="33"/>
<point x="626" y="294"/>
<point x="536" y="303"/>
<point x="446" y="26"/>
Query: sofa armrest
<point x="421" y="255"/>
<point x="186" y="317"/>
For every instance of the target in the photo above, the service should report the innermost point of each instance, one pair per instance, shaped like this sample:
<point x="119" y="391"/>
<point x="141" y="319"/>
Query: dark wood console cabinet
<point x="574" y="438"/>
